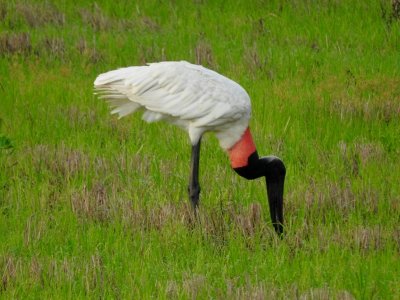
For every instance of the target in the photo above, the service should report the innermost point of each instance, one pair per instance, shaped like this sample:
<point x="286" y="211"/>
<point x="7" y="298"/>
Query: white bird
<point x="199" y="100"/>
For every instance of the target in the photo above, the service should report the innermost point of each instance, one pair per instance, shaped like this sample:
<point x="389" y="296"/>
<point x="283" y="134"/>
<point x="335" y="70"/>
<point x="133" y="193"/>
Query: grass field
<point x="95" y="207"/>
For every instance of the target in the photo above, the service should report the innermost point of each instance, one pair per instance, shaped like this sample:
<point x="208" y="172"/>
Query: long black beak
<point x="275" y="178"/>
<point x="274" y="171"/>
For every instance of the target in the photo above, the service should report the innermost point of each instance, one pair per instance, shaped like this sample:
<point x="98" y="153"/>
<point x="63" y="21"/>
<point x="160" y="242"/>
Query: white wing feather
<point x="187" y="95"/>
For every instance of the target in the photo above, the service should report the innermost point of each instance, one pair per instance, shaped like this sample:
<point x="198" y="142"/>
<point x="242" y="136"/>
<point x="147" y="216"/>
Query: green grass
<point x="95" y="207"/>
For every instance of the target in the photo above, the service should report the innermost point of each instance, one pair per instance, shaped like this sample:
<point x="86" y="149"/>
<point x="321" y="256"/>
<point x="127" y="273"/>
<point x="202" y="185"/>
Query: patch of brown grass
<point x="256" y="292"/>
<point x="259" y="28"/>
<point x="148" y="54"/>
<point x="350" y="160"/>
<point x="52" y="46"/>
<point x="3" y="10"/>
<point x="253" y="59"/>
<point x="369" y="151"/>
<point x="337" y="201"/>
<point x="94" y="274"/>
<point x="363" y="239"/>
<point x="396" y="9"/>
<point x="40" y="14"/>
<point x="325" y="293"/>
<point x="149" y="24"/>
<point x="268" y="291"/>
<point x="78" y="117"/>
<point x="34" y="230"/>
<point x="330" y="197"/>
<point x="368" y="238"/>
<point x="141" y="23"/>
<point x="396" y="238"/>
<point x="15" y="43"/>
<point x="172" y="290"/>
<point x="359" y="154"/>
<point x="100" y="203"/>
<point x="92" y="203"/>
<point x="249" y="221"/>
<point x="96" y="18"/>
<point x="309" y="238"/>
<point x="61" y="161"/>
<point x="193" y="284"/>
<point x="10" y="267"/>
<point x="257" y="63"/>
<point x="298" y="239"/>
<point x="203" y="54"/>
<point x="87" y="51"/>
<point x="60" y="270"/>
<point x="158" y="217"/>
<point x="36" y="271"/>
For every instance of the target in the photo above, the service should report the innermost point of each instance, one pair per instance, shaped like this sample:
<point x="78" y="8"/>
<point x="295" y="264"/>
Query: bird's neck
<point x="240" y="152"/>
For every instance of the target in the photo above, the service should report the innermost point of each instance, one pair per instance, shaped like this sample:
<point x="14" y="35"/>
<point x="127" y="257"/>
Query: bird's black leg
<point x="194" y="187"/>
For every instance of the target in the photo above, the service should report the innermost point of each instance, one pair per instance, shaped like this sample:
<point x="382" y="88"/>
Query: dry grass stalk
<point x="94" y="274"/>
<point x="90" y="52"/>
<point x="193" y="284"/>
<point x="10" y="267"/>
<point x="396" y="238"/>
<point x="96" y="19"/>
<point x="61" y="161"/>
<point x="36" y="271"/>
<point x="78" y="117"/>
<point x="3" y="11"/>
<point x="396" y="9"/>
<point x="255" y="62"/>
<point x="172" y="289"/>
<point x="53" y="46"/>
<point x="149" y="24"/>
<point x="60" y="270"/>
<point x="249" y="221"/>
<point x="204" y="55"/>
<point x="368" y="238"/>
<point x="370" y="151"/>
<point x="330" y="197"/>
<point x="149" y="54"/>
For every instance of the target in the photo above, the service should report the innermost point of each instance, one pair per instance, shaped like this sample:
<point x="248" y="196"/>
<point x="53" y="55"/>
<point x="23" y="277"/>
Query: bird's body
<point x="198" y="100"/>
<point x="190" y="96"/>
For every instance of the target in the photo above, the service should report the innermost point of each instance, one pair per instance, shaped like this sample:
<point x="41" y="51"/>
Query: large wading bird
<point x="198" y="100"/>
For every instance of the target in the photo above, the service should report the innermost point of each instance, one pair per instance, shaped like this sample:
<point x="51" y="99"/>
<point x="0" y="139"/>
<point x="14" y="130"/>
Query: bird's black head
<point x="274" y="171"/>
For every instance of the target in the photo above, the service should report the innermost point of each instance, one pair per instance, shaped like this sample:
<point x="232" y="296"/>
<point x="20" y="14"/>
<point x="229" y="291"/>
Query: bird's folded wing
<point x="174" y="90"/>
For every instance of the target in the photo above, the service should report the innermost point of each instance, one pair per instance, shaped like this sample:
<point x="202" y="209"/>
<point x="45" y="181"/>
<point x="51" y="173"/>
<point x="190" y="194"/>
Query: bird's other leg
<point x="194" y="187"/>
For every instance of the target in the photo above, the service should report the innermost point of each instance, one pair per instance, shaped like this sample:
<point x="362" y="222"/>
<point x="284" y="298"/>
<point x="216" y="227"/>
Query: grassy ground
<point x="94" y="207"/>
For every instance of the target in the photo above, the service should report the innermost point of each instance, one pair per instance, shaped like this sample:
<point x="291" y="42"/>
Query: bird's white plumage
<point x="181" y="93"/>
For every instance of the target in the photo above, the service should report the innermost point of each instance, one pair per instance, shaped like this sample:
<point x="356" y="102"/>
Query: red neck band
<point x="241" y="151"/>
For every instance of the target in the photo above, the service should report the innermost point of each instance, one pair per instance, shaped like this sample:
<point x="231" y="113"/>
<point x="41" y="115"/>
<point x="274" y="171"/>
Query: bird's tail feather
<point x="123" y="90"/>
<point x="110" y="86"/>
<point x="116" y="99"/>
